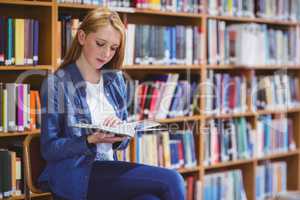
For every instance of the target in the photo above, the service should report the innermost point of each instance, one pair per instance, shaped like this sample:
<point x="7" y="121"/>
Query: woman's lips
<point x="100" y="60"/>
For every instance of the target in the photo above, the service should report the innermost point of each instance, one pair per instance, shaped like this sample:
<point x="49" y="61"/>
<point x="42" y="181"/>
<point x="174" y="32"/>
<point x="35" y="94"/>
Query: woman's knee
<point x="175" y="183"/>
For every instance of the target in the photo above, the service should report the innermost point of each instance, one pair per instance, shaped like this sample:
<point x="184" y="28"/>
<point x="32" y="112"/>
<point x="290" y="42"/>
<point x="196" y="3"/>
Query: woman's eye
<point x="100" y="44"/>
<point x="114" y="49"/>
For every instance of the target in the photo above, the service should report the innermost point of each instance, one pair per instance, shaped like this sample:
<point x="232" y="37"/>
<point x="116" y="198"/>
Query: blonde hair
<point x="94" y="20"/>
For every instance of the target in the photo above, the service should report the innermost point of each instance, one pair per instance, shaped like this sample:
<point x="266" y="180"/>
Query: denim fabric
<point x="116" y="180"/>
<point x="69" y="158"/>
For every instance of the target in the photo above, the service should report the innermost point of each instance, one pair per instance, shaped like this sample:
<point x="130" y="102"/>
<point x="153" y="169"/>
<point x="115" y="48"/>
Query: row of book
<point x="237" y="139"/>
<point x="227" y="140"/>
<point x="240" y="44"/>
<point x="190" y="6"/>
<point x="271" y="179"/>
<point x="66" y="31"/>
<point x="193" y="188"/>
<point x="278" y="91"/>
<point x="19" y="41"/>
<point x="20" y="107"/>
<point x="279" y="9"/>
<point x="274" y="9"/>
<point x="241" y="8"/>
<point x="273" y="134"/>
<point x="163" y="96"/>
<point x="252" y="44"/>
<point x="149" y="44"/>
<point x="171" y="150"/>
<point x="124" y="155"/>
<point x="226" y="93"/>
<point x="224" y="185"/>
<point x="10" y="174"/>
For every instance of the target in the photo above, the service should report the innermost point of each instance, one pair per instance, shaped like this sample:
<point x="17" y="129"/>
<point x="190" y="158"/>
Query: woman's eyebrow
<point x="103" y="40"/>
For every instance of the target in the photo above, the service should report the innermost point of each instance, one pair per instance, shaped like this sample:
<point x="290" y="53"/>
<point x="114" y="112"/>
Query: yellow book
<point x="230" y="9"/>
<point x="166" y="149"/>
<point x="154" y="4"/>
<point x="19" y="41"/>
<point x="13" y="171"/>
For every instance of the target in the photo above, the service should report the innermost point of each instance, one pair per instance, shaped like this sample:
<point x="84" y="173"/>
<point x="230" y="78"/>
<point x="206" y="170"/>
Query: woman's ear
<point x="81" y="36"/>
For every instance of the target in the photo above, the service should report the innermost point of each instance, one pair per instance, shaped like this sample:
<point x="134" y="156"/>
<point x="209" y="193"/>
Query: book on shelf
<point x="20" y="107"/>
<point x="125" y="128"/>
<point x="10" y="174"/>
<point x="19" y="41"/>
<point x="224" y="185"/>
<point x="271" y="179"/>
<point x="174" y="149"/>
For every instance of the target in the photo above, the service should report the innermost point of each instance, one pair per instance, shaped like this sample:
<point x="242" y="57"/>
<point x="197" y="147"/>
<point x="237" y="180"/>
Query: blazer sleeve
<point x="55" y="145"/>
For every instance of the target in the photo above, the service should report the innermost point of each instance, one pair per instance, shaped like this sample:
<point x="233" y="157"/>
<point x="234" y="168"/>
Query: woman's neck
<point x="88" y="72"/>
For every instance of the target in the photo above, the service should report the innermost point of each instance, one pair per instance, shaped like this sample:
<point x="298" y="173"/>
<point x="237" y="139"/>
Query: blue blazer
<point x="69" y="158"/>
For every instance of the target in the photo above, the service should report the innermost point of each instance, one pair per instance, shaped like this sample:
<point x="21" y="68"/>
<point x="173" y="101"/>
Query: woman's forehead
<point x="107" y="33"/>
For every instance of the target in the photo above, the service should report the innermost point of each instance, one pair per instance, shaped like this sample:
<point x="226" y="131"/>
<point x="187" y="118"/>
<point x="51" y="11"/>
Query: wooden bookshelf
<point x="254" y="20"/>
<point x="162" y="67"/>
<point x="48" y="12"/>
<point x="255" y="67"/>
<point x="15" y="134"/>
<point x="26" y="3"/>
<point x="16" y="68"/>
<point x="35" y="196"/>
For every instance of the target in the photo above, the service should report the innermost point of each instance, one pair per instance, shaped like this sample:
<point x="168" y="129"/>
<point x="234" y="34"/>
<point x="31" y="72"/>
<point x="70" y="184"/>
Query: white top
<point x="100" y="109"/>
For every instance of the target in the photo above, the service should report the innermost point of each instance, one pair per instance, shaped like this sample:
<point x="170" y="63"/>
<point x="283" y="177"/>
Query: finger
<point x="99" y="135"/>
<point x="113" y="140"/>
<point x="109" y="135"/>
<point x="107" y="121"/>
<point x="112" y="121"/>
<point x="115" y="121"/>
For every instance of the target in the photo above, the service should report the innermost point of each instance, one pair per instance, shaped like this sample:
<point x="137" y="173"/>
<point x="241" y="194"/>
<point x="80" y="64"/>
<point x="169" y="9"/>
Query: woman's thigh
<point x="123" y="181"/>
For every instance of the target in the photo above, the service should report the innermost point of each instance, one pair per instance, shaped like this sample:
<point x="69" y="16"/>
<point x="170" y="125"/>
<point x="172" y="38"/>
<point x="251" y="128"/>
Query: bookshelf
<point x="48" y="13"/>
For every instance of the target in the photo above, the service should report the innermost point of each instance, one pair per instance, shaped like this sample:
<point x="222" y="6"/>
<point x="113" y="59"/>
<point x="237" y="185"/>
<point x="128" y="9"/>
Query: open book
<point x="126" y="128"/>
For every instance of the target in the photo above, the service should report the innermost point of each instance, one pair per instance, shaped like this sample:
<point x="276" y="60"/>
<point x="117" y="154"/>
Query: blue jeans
<point x="117" y="180"/>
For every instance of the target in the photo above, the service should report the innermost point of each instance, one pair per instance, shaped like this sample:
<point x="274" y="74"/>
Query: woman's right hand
<point x="99" y="137"/>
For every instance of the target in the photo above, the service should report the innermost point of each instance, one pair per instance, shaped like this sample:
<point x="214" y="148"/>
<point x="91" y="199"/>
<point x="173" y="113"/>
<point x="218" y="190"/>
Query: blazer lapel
<point x="79" y="98"/>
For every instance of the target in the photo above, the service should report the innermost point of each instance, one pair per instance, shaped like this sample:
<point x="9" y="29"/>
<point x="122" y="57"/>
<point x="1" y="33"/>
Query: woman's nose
<point x="105" y="52"/>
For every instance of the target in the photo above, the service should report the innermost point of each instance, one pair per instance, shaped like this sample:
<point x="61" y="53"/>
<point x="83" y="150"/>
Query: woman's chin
<point x="98" y="67"/>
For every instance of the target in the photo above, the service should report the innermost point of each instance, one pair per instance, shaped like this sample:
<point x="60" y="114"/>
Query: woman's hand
<point x="99" y="137"/>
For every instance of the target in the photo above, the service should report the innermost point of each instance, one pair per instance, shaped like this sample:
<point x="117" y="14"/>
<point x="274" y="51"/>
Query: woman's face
<point x="99" y="47"/>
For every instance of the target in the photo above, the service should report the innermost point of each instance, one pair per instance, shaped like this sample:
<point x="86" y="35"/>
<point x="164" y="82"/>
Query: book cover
<point x="124" y="129"/>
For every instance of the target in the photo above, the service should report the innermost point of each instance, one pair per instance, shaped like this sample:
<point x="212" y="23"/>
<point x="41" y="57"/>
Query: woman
<point x="80" y="164"/>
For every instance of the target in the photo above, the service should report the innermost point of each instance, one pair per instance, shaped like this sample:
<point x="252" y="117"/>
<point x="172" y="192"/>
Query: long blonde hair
<point x="91" y="23"/>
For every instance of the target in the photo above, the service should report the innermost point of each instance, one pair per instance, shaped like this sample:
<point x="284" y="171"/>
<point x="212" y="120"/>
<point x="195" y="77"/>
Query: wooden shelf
<point x="16" y="68"/>
<point x="227" y="164"/>
<point x="278" y="155"/>
<point x="168" y="13"/>
<point x="253" y="20"/>
<point x="250" y="113"/>
<point x="76" y="5"/>
<point x="23" y="196"/>
<point x="247" y="161"/>
<point x="180" y="119"/>
<point x="230" y="115"/>
<point x="161" y="67"/>
<point x="277" y="111"/>
<point x="26" y="3"/>
<point x="15" y="134"/>
<point x="132" y="10"/>
<point x="255" y="67"/>
<point x="188" y="170"/>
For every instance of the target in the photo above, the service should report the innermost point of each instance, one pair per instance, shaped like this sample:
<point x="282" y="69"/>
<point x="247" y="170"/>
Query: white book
<point x="125" y="128"/>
